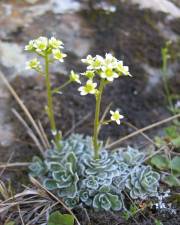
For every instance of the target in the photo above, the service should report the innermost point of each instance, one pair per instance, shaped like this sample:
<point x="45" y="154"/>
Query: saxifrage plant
<point x="76" y="177"/>
<point x="79" y="169"/>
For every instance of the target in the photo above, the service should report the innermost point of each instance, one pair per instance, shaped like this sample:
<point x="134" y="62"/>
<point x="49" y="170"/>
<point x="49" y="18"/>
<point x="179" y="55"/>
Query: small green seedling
<point x="56" y="218"/>
<point x="170" y="166"/>
<point x="172" y="136"/>
<point x="166" y="56"/>
<point x="133" y="210"/>
<point x="10" y="223"/>
<point x="158" y="222"/>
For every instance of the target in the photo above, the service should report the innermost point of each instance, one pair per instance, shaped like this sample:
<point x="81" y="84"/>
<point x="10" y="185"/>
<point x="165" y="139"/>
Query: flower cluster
<point x="43" y="46"/>
<point x="107" y="68"/>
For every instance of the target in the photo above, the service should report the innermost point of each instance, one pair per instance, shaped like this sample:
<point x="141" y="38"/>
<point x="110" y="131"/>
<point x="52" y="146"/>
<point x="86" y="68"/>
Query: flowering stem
<point x="96" y="143"/>
<point x="59" y="89"/>
<point x="165" y="57"/>
<point x="50" y="111"/>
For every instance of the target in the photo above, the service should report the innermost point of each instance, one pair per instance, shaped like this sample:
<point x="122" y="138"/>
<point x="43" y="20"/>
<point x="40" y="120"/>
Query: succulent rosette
<point x="103" y="168"/>
<point x="143" y="182"/>
<point x="79" y="179"/>
<point x="104" y="200"/>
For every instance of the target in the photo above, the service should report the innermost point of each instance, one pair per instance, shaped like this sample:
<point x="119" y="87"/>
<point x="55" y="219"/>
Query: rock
<point x="75" y="34"/>
<point x="12" y="58"/>
<point x="6" y="130"/>
<point x="65" y="6"/>
<point x="159" y="5"/>
<point x="31" y="1"/>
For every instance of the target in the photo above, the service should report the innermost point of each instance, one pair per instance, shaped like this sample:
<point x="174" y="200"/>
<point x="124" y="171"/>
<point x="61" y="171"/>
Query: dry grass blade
<point x="77" y="125"/>
<point x="16" y="164"/>
<point x="23" y="107"/>
<point x="112" y="145"/>
<point x="3" y="168"/>
<point x="27" y="207"/>
<point x="19" y="210"/>
<point x="3" y="190"/>
<point x="29" y="131"/>
<point x="37" y="184"/>
<point x="44" y="134"/>
<point x="142" y="133"/>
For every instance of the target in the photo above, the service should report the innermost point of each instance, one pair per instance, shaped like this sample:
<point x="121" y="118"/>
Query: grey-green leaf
<point x="50" y="184"/>
<point x="71" y="158"/>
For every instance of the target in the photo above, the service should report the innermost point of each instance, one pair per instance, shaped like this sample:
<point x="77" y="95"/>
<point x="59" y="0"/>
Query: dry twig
<point x="112" y="145"/>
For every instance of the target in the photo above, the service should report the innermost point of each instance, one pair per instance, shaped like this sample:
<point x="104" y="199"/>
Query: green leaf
<point x="56" y="218"/>
<point x="175" y="164"/>
<point x="176" y="142"/>
<point x="159" y="141"/>
<point x="158" y="222"/>
<point x="160" y="162"/>
<point x="171" y="132"/>
<point x="172" y="181"/>
<point x="10" y="223"/>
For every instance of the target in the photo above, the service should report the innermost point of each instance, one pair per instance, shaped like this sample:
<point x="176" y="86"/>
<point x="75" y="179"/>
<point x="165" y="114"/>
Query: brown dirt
<point x="70" y="107"/>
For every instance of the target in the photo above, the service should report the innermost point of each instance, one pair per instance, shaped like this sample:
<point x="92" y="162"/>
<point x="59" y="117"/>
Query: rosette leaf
<point x="37" y="167"/>
<point x="132" y="156"/>
<point x="85" y="197"/>
<point x="50" y="184"/>
<point x="119" y="181"/>
<point x="104" y="200"/>
<point x="143" y="182"/>
<point x="91" y="182"/>
<point x="78" y="144"/>
<point x="71" y="202"/>
<point x="67" y="181"/>
<point x="104" y="168"/>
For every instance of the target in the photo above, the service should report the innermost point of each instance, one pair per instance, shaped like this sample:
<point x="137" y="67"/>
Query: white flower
<point x="30" y="46"/>
<point x="33" y="64"/>
<point x="96" y="63"/>
<point x="88" y="60"/>
<point x="74" y="77"/>
<point x="123" y="69"/>
<point x="41" y="44"/>
<point x="110" y="60"/>
<point x="89" y="74"/>
<point x="58" y="55"/>
<point x="115" y="116"/>
<point x="54" y="43"/>
<point x="89" y="88"/>
<point x="108" y="74"/>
